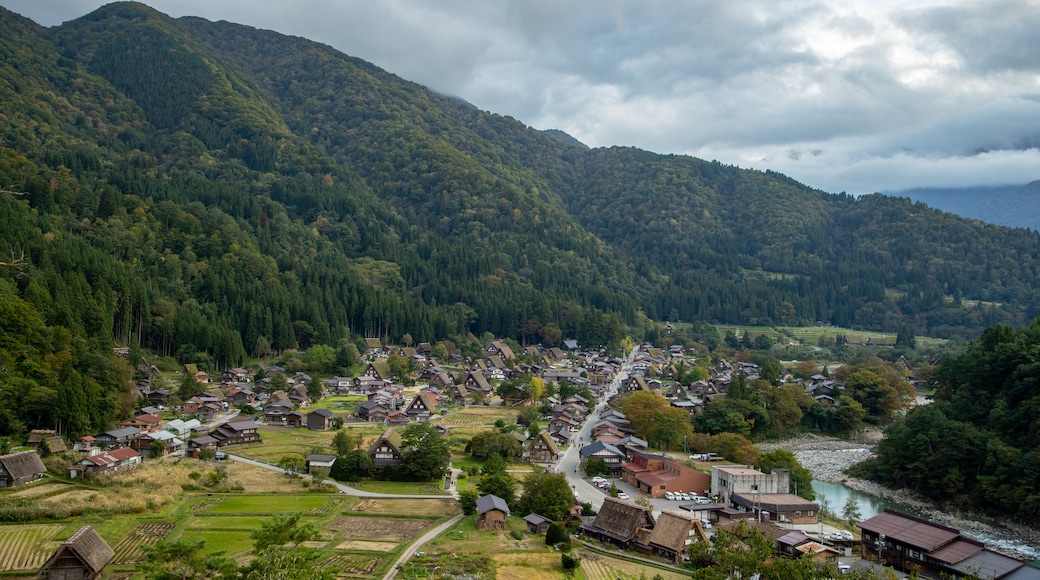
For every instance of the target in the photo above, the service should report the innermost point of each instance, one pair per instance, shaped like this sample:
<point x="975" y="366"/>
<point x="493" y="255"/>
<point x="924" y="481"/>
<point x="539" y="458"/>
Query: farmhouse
<point x="387" y="449"/>
<point x="619" y="522"/>
<point x="672" y="534"/>
<point x="422" y="407"/>
<point x="543" y="449"/>
<point x="81" y="557"/>
<point x="118" y="437"/>
<point x="493" y="511"/>
<point x="237" y="432"/>
<point x="19" y="468"/>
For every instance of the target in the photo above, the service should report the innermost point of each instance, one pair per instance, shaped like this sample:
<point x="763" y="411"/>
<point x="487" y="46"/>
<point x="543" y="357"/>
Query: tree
<point x="499" y="483"/>
<point x="555" y="534"/>
<point x="190" y="387"/>
<point x="292" y="463"/>
<point x="343" y="443"/>
<point x="536" y="389"/>
<point x="850" y="513"/>
<point x="486" y="444"/>
<point x="425" y="454"/>
<point x="279" y="552"/>
<point x="596" y="466"/>
<point x="184" y="560"/>
<point x="353" y="466"/>
<point x="546" y="494"/>
<point x="468" y="501"/>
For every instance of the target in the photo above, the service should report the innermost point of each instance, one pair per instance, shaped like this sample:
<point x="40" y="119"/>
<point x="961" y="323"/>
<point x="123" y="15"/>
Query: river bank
<point x="828" y="458"/>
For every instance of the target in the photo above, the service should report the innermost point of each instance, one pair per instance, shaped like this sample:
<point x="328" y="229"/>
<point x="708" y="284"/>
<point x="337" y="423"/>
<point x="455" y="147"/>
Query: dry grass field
<point x="596" y="566"/>
<point x="528" y="566"/>
<point x="396" y="529"/>
<point x="435" y="508"/>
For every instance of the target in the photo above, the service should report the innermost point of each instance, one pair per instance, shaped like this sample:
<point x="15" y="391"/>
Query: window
<point x="810" y="513"/>
<point x="914" y="554"/>
<point x="798" y="513"/>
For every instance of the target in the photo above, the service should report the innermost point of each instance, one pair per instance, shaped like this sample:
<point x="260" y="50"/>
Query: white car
<point x="684" y="497"/>
<point x="597" y="479"/>
<point x="844" y="568"/>
<point x="843" y="535"/>
<point x="702" y="500"/>
<point x="623" y="495"/>
<point x="706" y="524"/>
<point x="669" y="495"/>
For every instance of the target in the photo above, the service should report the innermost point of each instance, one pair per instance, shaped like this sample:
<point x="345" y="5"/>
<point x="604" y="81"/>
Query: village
<point x="659" y="504"/>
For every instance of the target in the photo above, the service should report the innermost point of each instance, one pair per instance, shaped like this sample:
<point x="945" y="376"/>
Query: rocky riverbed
<point x="828" y="458"/>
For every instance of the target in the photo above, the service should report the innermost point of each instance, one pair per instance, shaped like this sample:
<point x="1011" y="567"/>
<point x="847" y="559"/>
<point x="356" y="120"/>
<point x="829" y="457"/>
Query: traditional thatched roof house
<point x="619" y="522"/>
<point x="671" y="535"/>
<point x="543" y="449"/>
<point x="81" y="557"/>
<point x="19" y="468"/>
<point x="493" y="511"/>
<point x="387" y="449"/>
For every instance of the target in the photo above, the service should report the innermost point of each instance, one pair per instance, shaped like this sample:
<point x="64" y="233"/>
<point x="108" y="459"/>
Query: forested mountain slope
<point x="185" y="185"/>
<point x="1016" y="206"/>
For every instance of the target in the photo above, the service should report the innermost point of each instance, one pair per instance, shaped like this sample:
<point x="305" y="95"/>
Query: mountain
<point x="1016" y="206"/>
<point x="189" y="187"/>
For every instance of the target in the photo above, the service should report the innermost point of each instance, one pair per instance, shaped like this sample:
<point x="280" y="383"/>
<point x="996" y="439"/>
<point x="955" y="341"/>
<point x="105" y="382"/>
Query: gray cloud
<point x="853" y="95"/>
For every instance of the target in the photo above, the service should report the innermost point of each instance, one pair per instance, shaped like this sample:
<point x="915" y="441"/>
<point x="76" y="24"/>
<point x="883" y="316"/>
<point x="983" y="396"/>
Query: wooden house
<point x="20" y="468"/>
<point x="81" y="557"/>
<point x="619" y="522"/>
<point x="673" y="533"/>
<point x="543" y="449"/>
<point x="422" y="407"/>
<point x="237" y="432"/>
<point x="537" y="524"/>
<point x="387" y="449"/>
<point x="319" y="420"/>
<point x="492" y="511"/>
<point x="379" y="369"/>
<point x="114" y="460"/>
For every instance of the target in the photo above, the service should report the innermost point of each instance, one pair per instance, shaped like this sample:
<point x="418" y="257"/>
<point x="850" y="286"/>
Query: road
<point x="584" y="491"/>
<point x="410" y="551"/>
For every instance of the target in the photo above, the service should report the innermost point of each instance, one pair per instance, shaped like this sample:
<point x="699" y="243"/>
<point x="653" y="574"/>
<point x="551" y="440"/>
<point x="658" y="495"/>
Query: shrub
<point x="569" y="562"/>
<point x="517" y="534"/>
<point x="555" y="534"/>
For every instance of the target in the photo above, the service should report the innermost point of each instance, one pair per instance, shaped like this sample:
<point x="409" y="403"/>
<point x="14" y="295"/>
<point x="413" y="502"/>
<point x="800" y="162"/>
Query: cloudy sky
<point x="850" y="95"/>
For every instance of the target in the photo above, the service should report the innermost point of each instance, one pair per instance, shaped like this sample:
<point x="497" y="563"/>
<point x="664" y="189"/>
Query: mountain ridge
<point x="296" y="195"/>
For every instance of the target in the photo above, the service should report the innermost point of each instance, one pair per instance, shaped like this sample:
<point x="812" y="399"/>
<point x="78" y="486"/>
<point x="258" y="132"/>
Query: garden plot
<point x="351" y="564"/>
<point x="128" y="550"/>
<point x="363" y="546"/>
<point x="416" y="507"/>
<point x="38" y="490"/>
<point x="27" y="547"/>
<point x="396" y="529"/>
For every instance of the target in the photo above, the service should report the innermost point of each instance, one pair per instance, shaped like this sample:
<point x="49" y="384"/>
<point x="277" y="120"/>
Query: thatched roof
<point x="22" y="464"/>
<point x="85" y="545"/>
<point x="549" y="442"/>
<point x="672" y="530"/>
<point x="56" y="445"/>
<point x="390" y="437"/>
<point x="622" y="519"/>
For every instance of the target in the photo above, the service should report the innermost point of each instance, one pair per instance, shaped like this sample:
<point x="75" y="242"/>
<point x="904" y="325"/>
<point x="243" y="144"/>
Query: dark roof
<point x="322" y="412"/>
<point x="87" y="546"/>
<point x="774" y="502"/>
<point x="588" y="450"/>
<point x="957" y="550"/>
<point x="987" y="564"/>
<point x="22" y="464"/>
<point x="622" y="519"/>
<point x="321" y="457"/>
<point x="486" y="503"/>
<point x="536" y="519"/>
<point x="921" y="534"/>
<point x="243" y="425"/>
<point x="124" y="432"/>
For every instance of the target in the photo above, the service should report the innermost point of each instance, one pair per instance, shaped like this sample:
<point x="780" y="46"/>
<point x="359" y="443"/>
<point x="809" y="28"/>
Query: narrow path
<point x="410" y="551"/>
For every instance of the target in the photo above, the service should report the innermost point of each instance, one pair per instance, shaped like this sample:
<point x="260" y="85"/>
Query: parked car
<point x="669" y="495"/>
<point x="702" y="500"/>
<point x="597" y="479"/>
<point x="684" y="496"/>
<point x="706" y="524"/>
<point x="843" y="535"/>
<point x="622" y="495"/>
<point x="844" y="568"/>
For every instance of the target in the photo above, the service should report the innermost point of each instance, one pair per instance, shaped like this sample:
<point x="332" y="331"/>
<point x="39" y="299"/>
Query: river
<point x="833" y="496"/>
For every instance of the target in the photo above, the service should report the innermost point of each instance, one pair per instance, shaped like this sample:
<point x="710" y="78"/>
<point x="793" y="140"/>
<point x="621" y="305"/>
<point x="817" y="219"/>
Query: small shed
<point x="319" y="420"/>
<point x="81" y="557"/>
<point x="493" y="511"/>
<point x="320" y="460"/>
<point x="537" y="524"/>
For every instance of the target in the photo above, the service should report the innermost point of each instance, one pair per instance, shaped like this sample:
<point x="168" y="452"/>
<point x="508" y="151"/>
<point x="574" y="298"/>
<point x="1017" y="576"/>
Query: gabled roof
<point x="622" y="519"/>
<point x="486" y="503"/>
<point x="600" y="446"/>
<point x="124" y="432"/>
<point x="22" y="464"/>
<point x="113" y="456"/>
<point x="548" y="440"/>
<point x="242" y="425"/>
<point x="536" y="519"/>
<point x="87" y="546"/>
<point x="672" y="530"/>
<point x="921" y="534"/>
<point x="322" y="413"/>
<point x="390" y="437"/>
